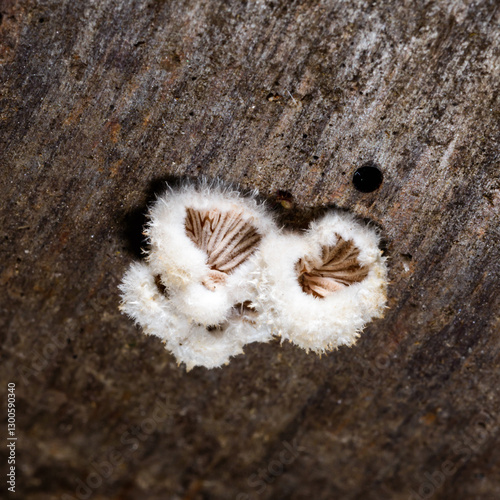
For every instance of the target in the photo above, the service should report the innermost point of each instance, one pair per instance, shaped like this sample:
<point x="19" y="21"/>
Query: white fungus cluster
<point x="220" y="274"/>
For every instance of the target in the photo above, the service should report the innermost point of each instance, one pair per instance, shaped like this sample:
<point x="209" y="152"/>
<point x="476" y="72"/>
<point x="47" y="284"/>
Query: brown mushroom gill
<point x="337" y="268"/>
<point x="243" y="311"/>
<point x="160" y="286"/>
<point x="227" y="239"/>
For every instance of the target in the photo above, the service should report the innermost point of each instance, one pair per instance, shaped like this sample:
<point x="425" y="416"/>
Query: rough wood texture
<point x="103" y="101"/>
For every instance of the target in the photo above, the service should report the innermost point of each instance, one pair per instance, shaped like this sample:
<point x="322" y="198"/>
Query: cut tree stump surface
<point x="103" y="102"/>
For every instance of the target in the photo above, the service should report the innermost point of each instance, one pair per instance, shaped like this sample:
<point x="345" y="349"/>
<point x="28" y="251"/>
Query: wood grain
<point x="101" y="102"/>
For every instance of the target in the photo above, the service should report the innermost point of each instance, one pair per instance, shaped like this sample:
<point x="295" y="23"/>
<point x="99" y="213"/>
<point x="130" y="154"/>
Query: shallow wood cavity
<point x="337" y="268"/>
<point x="226" y="237"/>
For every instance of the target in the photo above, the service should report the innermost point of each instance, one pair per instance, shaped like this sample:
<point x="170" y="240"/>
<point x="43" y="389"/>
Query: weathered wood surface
<point x="103" y="101"/>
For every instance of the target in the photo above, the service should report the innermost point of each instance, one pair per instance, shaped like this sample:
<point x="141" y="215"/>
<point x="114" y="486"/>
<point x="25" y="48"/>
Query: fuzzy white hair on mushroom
<point x="320" y="288"/>
<point x="146" y="301"/>
<point x="201" y="239"/>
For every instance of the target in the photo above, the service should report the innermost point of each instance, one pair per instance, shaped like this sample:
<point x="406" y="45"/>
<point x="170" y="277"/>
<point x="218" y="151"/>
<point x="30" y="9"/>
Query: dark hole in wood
<point x="367" y="178"/>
